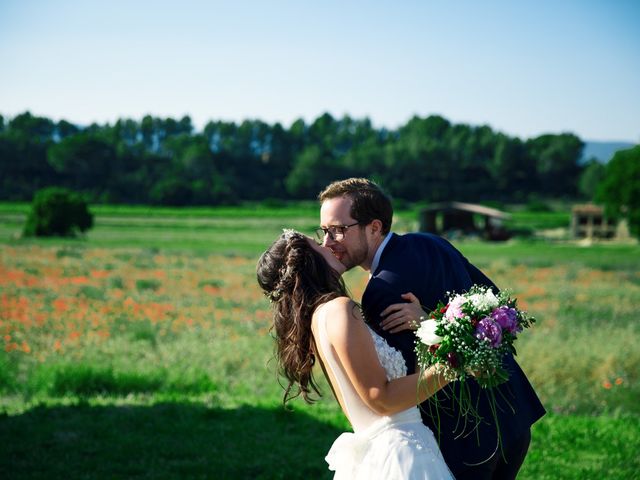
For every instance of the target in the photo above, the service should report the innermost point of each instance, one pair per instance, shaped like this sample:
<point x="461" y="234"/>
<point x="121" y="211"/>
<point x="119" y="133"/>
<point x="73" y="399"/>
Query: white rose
<point x="427" y="332"/>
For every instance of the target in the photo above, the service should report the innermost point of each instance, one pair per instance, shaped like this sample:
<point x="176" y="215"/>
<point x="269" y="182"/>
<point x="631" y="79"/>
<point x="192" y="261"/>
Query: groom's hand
<point x="402" y="316"/>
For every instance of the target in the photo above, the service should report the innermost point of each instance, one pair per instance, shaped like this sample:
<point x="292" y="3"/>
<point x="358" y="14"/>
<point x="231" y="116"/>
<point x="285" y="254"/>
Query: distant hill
<point x="603" y="151"/>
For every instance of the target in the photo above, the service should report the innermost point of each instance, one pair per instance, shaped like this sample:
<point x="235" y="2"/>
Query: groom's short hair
<point x="370" y="202"/>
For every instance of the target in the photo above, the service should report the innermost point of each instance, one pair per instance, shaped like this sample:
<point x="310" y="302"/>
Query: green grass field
<point x="143" y="350"/>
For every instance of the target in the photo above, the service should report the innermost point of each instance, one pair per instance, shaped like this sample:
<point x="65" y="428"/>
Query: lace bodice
<point x="359" y="414"/>
<point x="390" y="358"/>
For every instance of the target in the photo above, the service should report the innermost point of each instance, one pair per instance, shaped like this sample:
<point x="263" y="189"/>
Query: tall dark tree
<point x="591" y="177"/>
<point x="620" y="188"/>
<point x="313" y="169"/>
<point x="419" y="164"/>
<point x="64" y="129"/>
<point x="511" y="169"/>
<point x="558" y="163"/>
<point x="195" y="164"/>
<point x="23" y="156"/>
<point x="38" y="129"/>
<point x="163" y="160"/>
<point x="85" y="162"/>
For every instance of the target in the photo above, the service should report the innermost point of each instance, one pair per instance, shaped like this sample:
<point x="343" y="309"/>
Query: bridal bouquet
<point x="470" y="335"/>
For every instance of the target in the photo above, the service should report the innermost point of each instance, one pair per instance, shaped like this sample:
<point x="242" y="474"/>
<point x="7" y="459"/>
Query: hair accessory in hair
<point x="289" y="233"/>
<point x="273" y="296"/>
<point x="285" y="271"/>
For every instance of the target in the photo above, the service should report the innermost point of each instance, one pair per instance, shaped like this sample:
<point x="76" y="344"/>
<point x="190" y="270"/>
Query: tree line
<point x="165" y="161"/>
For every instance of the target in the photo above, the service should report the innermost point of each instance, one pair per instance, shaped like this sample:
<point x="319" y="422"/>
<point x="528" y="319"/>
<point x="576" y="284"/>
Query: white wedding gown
<point x="395" y="447"/>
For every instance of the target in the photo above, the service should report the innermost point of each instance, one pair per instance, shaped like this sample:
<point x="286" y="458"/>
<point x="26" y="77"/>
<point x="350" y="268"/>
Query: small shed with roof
<point x="464" y="219"/>
<point x="589" y="221"/>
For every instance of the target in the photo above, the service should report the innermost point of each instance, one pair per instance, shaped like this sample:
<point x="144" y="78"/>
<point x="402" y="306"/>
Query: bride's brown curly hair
<point x="297" y="279"/>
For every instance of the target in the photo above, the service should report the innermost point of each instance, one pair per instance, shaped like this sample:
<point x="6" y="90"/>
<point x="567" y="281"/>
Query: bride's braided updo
<point x="293" y="260"/>
<point x="297" y="279"/>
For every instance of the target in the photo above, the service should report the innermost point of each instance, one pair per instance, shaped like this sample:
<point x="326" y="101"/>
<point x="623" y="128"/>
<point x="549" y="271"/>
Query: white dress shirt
<point x="376" y="257"/>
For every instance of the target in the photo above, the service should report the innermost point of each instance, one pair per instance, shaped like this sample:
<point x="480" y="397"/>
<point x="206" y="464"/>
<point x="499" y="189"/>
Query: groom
<point x="355" y="218"/>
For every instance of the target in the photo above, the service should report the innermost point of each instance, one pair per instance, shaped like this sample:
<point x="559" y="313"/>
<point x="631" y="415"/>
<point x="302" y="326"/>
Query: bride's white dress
<point x="395" y="447"/>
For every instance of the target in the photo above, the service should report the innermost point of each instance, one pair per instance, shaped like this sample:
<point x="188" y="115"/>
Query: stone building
<point x="589" y="221"/>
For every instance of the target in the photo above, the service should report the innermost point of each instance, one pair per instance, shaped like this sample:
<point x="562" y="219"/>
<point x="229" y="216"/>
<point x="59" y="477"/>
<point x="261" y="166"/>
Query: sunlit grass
<point x="182" y="322"/>
<point x="166" y="317"/>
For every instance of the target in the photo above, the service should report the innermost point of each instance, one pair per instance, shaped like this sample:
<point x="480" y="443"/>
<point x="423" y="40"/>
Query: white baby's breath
<point x="484" y="301"/>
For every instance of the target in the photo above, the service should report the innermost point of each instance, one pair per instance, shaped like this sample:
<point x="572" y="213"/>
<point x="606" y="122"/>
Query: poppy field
<point x="153" y="358"/>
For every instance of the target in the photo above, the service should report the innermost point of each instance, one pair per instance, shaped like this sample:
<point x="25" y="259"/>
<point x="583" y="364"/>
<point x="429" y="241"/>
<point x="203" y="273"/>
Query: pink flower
<point x="454" y="311"/>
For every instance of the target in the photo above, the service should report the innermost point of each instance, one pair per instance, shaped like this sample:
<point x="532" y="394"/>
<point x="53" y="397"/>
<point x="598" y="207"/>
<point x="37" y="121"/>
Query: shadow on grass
<point x="171" y="440"/>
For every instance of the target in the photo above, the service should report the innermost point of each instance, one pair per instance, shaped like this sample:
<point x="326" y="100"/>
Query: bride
<point x="314" y="319"/>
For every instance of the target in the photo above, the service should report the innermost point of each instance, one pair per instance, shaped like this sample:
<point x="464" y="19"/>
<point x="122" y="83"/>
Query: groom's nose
<point x="328" y="241"/>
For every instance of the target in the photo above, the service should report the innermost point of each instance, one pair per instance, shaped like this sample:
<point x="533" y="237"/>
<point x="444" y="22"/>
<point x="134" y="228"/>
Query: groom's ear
<point x="376" y="227"/>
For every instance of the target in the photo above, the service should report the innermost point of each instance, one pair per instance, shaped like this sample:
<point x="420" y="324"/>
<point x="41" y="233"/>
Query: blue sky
<point x="522" y="67"/>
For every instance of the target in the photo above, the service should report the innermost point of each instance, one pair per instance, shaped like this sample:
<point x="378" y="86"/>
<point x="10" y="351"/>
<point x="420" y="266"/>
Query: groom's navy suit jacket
<point x="429" y="267"/>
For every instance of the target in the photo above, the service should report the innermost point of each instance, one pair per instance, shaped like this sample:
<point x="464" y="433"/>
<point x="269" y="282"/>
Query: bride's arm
<point x="354" y="346"/>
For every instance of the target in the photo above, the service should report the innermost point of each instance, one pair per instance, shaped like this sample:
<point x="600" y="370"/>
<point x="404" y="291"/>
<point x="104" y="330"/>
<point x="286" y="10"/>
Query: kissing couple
<point x="366" y="350"/>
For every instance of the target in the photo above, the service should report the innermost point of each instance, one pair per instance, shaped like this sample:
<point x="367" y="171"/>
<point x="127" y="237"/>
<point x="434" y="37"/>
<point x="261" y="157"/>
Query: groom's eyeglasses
<point x="335" y="232"/>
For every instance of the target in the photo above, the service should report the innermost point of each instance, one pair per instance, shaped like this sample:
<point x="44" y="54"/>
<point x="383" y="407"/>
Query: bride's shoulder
<point x="338" y="305"/>
<point x="341" y="314"/>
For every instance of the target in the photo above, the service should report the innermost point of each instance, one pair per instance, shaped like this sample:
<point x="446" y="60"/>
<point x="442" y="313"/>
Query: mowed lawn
<point x="143" y="351"/>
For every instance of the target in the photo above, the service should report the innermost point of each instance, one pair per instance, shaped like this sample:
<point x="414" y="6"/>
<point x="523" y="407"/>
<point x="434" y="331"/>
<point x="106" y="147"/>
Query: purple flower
<point x="507" y="318"/>
<point x="489" y="330"/>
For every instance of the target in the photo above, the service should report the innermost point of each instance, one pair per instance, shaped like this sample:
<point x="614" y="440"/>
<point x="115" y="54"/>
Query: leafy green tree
<point x="58" y="212"/>
<point x="298" y="136"/>
<point x="23" y="157"/>
<point x="276" y="161"/>
<point x="127" y="132"/>
<point x="557" y="163"/>
<point x="619" y="191"/>
<point x="418" y="161"/>
<point x="65" y="129"/>
<point x="511" y="168"/>
<point x="471" y="151"/>
<point x="590" y="178"/>
<point x="195" y="164"/>
<point x="162" y="160"/>
<point x="174" y="191"/>
<point x="39" y="129"/>
<point x="418" y="171"/>
<point x="149" y="137"/>
<point x="323" y="132"/>
<point x="313" y="170"/>
<point x="85" y="161"/>
<point x="153" y="132"/>
<point x="435" y="127"/>
<point x="367" y="158"/>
